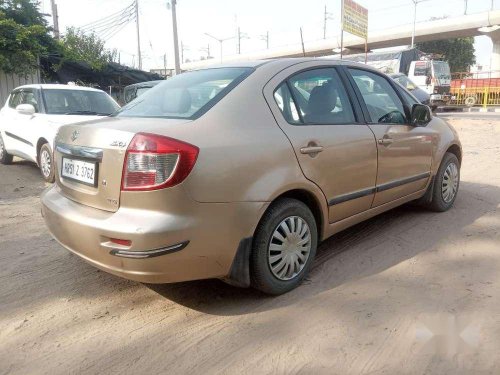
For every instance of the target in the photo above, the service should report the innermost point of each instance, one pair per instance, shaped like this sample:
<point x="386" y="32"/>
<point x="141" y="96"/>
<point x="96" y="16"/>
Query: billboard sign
<point x="354" y="19"/>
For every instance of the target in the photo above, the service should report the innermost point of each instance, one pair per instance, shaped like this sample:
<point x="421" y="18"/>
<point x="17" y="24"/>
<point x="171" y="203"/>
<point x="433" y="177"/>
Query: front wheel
<point x="46" y="163"/>
<point x="5" y="158"/>
<point x="284" y="247"/>
<point x="446" y="184"/>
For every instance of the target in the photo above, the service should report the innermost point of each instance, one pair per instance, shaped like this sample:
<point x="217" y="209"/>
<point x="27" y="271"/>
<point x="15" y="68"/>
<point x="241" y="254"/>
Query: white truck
<point x="430" y="74"/>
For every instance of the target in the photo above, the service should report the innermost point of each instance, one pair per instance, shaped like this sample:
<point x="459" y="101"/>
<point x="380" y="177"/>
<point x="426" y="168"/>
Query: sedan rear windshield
<point x="78" y="102"/>
<point x="187" y="95"/>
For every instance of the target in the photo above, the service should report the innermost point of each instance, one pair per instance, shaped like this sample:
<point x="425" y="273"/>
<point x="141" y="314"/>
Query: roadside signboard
<point x="355" y="19"/>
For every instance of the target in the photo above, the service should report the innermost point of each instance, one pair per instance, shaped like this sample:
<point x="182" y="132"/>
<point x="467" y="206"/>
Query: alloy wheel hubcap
<point x="449" y="185"/>
<point x="45" y="163"/>
<point x="289" y="248"/>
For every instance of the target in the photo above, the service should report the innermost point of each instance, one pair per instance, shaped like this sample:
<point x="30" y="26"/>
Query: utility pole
<point x="239" y="40"/>
<point x="465" y="10"/>
<point x="138" y="35"/>
<point x="207" y="50"/>
<point x="240" y="36"/>
<point x="415" y="3"/>
<point x="302" y="42"/>
<point x="55" y="19"/>
<point x="327" y="16"/>
<point x="165" y="64"/>
<point x="173" y="4"/>
<point x="183" y="48"/>
<point x="265" y="38"/>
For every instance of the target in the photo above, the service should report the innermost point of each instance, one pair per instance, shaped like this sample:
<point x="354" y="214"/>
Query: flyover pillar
<point x="495" y="53"/>
<point x="495" y="56"/>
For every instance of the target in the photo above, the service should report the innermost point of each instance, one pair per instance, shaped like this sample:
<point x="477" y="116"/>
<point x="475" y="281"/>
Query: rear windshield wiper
<point x="91" y="113"/>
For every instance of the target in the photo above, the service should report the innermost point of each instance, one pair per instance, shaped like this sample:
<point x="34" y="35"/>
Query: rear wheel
<point x="5" y="158"/>
<point x="284" y="247"/>
<point x="446" y="184"/>
<point x="46" y="163"/>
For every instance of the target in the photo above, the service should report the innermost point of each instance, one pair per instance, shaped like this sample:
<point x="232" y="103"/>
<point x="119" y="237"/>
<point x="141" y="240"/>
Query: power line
<point x="110" y="23"/>
<point x="109" y="18"/>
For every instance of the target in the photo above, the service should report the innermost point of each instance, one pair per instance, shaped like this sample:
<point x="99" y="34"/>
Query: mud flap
<point x="427" y="198"/>
<point x="239" y="275"/>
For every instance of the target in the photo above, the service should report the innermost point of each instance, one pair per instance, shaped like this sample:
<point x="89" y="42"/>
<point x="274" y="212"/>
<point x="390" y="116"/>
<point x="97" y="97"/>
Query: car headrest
<point x="323" y="99"/>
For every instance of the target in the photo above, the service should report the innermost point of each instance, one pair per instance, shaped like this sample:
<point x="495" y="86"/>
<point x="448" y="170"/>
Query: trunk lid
<point x="102" y="145"/>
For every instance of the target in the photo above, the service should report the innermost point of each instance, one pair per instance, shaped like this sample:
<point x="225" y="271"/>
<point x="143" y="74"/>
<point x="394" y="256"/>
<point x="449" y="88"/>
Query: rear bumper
<point x="198" y="242"/>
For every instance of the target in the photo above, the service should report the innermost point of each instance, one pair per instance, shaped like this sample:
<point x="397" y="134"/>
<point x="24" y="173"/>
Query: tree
<point x="458" y="52"/>
<point x="24" y="36"/>
<point x="89" y="48"/>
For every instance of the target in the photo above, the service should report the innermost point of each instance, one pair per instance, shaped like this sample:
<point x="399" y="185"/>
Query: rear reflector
<point x="155" y="162"/>
<point x="121" y="242"/>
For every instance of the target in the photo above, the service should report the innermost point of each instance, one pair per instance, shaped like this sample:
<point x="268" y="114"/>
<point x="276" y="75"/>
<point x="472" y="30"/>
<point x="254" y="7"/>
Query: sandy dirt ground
<point x="408" y="292"/>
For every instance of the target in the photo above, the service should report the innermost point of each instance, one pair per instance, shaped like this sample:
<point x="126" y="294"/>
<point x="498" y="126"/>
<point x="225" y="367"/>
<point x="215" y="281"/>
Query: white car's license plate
<point x="79" y="170"/>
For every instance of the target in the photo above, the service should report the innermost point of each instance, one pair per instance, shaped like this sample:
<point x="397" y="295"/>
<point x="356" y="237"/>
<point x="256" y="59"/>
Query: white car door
<point x="26" y="128"/>
<point x="12" y="127"/>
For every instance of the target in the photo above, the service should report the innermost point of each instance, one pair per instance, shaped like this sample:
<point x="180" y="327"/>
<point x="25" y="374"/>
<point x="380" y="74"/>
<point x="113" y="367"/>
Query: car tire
<point x="446" y="184"/>
<point x="284" y="247"/>
<point x="5" y="158"/>
<point x="46" y="163"/>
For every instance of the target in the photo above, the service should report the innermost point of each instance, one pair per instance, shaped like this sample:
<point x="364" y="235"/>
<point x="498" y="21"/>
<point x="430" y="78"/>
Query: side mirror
<point x="428" y="80"/>
<point x="25" y="109"/>
<point x="420" y="115"/>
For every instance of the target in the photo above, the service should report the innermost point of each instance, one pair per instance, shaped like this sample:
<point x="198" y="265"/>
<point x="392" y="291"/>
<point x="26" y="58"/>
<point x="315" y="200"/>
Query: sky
<point x="255" y="18"/>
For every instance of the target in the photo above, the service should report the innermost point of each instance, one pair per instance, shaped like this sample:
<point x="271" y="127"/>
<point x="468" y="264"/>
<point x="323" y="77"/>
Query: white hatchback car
<point x="33" y="114"/>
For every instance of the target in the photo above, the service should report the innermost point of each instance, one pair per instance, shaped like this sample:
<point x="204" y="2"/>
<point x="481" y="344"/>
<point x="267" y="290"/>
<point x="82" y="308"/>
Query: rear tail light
<point x="155" y="162"/>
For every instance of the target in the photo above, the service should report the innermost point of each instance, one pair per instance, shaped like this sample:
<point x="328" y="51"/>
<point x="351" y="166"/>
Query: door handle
<point x="311" y="149"/>
<point x="386" y="141"/>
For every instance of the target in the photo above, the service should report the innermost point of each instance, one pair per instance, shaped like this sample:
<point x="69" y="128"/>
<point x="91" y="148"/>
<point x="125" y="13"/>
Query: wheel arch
<point x="39" y="144"/>
<point x="239" y="274"/>
<point x="455" y="150"/>
<point x="310" y="200"/>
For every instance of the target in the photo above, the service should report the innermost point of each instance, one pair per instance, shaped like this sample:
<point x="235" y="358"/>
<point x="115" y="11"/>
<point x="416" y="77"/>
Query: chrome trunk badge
<point x="75" y="135"/>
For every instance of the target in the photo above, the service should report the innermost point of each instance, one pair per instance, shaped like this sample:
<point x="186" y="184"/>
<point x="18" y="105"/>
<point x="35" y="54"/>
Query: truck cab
<point x="434" y="77"/>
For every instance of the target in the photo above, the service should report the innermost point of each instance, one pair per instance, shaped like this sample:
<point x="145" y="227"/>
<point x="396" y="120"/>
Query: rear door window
<point x="315" y="97"/>
<point x="382" y="101"/>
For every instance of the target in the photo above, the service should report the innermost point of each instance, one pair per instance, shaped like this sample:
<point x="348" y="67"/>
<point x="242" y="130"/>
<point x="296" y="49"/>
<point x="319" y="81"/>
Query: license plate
<point x="79" y="170"/>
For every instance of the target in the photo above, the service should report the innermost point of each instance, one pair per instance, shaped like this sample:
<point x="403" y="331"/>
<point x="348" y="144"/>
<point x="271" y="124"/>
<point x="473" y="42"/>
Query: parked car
<point x="133" y="91"/>
<point x="244" y="184"/>
<point x="33" y="114"/>
<point x="423" y="96"/>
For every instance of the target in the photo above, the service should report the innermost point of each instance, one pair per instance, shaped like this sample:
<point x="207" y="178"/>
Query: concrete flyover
<point x="456" y="27"/>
